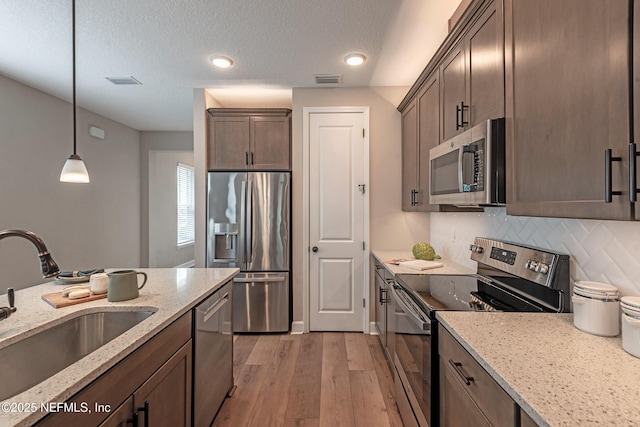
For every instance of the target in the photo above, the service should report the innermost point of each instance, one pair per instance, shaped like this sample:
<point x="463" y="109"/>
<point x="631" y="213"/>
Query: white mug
<point x="99" y="283"/>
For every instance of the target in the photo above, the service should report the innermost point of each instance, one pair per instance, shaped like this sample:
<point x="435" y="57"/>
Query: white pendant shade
<point x="74" y="170"/>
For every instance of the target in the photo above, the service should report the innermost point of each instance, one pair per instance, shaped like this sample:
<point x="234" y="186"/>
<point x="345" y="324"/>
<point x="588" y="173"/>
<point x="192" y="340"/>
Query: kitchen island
<point x="169" y="293"/>
<point x="557" y="374"/>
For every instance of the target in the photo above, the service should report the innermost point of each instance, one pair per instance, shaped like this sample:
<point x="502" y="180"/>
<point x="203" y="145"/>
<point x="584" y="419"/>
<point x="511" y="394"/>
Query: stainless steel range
<point x="510" y="277"/>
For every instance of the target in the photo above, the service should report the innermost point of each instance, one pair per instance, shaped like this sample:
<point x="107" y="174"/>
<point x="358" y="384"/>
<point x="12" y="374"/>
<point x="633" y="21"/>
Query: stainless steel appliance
<point x="510" y="277"/>
<point x="248" y="227"/>
<point x="212" y="355"/>
<point x="469" y="169"/>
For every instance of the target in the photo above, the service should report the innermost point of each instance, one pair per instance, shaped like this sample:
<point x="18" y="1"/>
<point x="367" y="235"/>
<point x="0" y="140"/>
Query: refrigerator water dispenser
<point x="226" y="241"/>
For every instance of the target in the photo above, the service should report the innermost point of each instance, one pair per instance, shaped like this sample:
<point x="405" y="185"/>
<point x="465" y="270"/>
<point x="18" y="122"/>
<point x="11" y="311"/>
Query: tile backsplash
<point x="602" y="251"/>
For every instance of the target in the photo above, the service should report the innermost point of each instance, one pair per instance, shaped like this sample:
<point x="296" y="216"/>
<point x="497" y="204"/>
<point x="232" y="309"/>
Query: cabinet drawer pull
<point x="457" y="366"/>
<point x="608" y="190"/>
<point x="633" y="185"/>
<point x="144" y="409"/>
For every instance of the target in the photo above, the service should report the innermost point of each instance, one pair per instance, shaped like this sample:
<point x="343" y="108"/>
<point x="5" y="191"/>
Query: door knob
<point x="314" y="249"/>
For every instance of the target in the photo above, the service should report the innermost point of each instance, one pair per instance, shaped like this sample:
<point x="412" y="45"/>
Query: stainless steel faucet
<point x="6" y="311"/>
<point x="47" y="264"/>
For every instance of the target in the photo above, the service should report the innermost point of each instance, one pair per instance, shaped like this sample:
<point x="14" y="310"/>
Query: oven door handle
<point x="420" y="323"/>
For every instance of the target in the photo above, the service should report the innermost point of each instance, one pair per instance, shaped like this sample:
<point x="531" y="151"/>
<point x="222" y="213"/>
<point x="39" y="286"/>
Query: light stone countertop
<point x="449" y="267"/>
<point x="558" y="374"/>
<point x="168" y="292"/>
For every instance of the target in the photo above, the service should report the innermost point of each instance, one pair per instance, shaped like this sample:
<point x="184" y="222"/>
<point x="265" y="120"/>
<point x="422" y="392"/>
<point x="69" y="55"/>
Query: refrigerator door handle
<point x="249" y="224"/>
<point x="241" y="232"/>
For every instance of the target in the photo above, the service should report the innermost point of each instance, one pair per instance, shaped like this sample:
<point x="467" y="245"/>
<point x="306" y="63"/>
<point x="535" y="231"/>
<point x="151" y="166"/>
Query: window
<point x="186" y="205"/>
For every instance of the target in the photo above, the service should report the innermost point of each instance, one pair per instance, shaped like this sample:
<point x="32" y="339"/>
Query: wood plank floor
<point x="316" y="379"/>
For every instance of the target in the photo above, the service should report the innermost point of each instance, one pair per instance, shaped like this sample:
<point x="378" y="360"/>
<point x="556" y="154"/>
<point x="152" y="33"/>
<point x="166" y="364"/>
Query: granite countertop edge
<point x="169" y="292"/>
<point x="494" y="374"/>
<point x="544" y="363"/>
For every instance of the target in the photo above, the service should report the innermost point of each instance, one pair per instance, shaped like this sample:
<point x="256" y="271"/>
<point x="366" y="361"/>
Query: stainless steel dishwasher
<point x="212" y="355"/>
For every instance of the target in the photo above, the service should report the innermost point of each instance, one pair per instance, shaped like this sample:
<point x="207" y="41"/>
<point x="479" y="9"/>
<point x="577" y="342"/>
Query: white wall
<point x="390" y="228"/>
<point x="157" y="142"/>
<point x="85" y="226"/>
<point x="163" y="213"/>
<point x="603" y="251"/>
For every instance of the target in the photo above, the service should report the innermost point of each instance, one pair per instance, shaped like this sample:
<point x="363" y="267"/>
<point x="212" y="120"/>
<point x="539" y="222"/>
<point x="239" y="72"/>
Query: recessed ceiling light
<point x="221" y="61"/>
<point x="355" y="59"/>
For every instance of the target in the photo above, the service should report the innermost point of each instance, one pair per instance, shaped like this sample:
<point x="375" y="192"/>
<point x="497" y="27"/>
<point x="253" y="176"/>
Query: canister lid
<point x="631" y="303"/>
<point x="596" y="290"/>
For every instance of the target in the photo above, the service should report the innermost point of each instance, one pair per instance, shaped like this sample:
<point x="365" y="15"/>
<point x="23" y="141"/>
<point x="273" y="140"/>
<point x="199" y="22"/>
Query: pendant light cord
<point x="73" y="35"/>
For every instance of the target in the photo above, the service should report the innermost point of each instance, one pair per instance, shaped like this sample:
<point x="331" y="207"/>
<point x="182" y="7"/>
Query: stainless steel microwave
<point x="469" y="169"/>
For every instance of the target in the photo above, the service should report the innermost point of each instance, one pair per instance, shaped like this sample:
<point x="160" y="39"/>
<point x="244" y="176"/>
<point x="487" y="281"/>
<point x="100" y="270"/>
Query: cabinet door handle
<point x="144" y="409"/>
<point x="460" y="121"/>
<point x="252" y="157"/>
<point x="463" y="108"/>
<point x="246" y="158"/>
<point x="633" y="185"/>
<point x="457" y="366"/>
<point x="383" y="296"/>
<point x="608" y="185"/>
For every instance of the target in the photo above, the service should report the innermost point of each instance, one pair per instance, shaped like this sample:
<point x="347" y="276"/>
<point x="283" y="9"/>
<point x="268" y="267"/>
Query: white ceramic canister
<point x="631" y="325"/>
<point x="596" y="308"/>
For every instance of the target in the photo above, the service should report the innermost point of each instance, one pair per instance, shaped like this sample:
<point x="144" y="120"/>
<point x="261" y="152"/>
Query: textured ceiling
<point x="276" y="45"/>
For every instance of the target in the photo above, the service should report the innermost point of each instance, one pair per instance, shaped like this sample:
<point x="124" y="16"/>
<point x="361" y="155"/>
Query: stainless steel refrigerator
<point x="249" y="227"/>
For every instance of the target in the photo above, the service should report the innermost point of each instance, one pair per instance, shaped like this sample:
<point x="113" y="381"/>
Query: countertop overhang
<point x="170" y="293"/>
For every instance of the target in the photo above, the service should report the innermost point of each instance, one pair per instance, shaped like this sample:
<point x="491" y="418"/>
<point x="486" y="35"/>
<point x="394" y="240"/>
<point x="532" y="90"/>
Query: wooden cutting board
<point x="420" y="264"/>
<point x="56" y="300"/>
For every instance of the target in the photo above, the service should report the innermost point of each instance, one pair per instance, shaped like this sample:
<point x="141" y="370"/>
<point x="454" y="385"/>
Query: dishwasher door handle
<point x="206" y="314"/>
<point x="260" y="280"/>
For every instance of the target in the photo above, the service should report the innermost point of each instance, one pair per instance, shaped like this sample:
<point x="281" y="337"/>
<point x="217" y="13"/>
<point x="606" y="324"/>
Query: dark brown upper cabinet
<point x="472" y="74"/>
<point x="568" y="99"/>
<point x="240" y="139"/>
<point x="466" y="71"/>
<point x="420" y="129"/>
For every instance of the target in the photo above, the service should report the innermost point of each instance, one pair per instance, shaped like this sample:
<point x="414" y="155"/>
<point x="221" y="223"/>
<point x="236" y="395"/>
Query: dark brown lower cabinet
<point x="457" y="408"/>
<point x="156" y="376"/>
<point x="468" y="395"/>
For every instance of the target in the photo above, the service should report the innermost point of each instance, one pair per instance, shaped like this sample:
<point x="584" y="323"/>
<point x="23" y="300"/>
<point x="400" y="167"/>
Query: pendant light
<point x="74" y="169"/>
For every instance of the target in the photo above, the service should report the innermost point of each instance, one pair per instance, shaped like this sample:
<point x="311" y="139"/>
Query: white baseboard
<point x="188" y="264"/>
<point x="372" y="329"/>
<point x="297" y="327"/>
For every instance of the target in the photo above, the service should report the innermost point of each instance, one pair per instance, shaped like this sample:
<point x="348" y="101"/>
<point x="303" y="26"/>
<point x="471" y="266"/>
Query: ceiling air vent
<point x="328" y="79"/>
<point x="128" y="80"/>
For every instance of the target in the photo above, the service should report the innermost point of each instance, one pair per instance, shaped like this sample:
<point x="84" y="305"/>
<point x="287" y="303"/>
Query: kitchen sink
<point x="34" y="359"/>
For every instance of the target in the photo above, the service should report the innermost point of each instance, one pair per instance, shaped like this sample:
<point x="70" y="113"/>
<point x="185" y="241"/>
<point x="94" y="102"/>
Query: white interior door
<point x="336" y="221"/>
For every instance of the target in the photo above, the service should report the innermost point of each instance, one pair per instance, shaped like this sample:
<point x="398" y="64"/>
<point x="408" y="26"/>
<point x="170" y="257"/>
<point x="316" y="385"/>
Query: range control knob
<point x="531" y="265"/>
<point x="476" y="249"/>
<point x="542" y="268"/>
